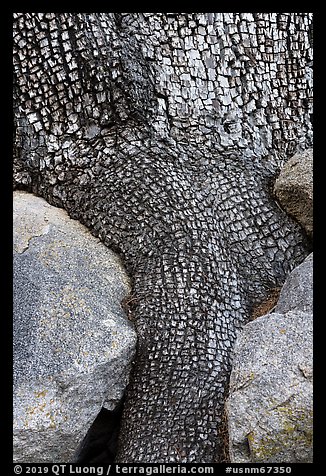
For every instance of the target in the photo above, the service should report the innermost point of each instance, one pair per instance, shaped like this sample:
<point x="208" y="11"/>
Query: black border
<point x="6" y="190"/>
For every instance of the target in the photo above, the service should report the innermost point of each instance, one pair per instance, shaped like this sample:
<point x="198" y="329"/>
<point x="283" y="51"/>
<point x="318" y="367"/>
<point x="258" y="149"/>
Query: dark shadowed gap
<point x="100" y="443"/>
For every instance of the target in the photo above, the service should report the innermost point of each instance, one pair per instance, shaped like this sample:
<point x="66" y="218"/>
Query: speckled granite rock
<point x="72" y="343"/>
<point x="270" y="402"/>
<point x="294" y="188"/>
<point x="269" y="407"/>
<point x="297" y="292"/>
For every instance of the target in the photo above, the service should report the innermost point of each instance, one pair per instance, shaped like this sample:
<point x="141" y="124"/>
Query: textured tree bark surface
<point x="162" y="133"/>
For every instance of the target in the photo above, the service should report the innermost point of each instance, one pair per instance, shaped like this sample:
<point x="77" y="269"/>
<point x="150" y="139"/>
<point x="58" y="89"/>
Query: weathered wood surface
<point x="161" y="132"/>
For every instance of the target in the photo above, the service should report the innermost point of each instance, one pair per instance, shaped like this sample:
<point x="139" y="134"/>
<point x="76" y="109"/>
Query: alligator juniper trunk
<point x="162" y="134"/>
